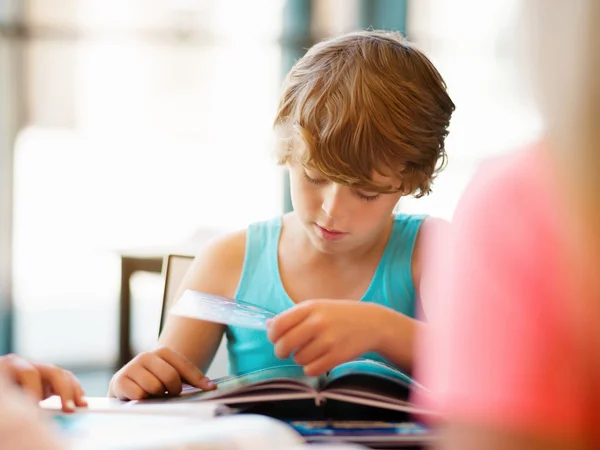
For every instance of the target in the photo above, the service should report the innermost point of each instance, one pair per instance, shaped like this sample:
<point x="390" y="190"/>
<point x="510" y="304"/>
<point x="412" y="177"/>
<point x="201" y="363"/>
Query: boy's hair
<point x="362" y="102"/>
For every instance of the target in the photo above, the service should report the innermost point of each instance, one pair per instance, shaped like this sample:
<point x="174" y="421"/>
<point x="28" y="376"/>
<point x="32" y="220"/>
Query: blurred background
<point x="134" y="128"/>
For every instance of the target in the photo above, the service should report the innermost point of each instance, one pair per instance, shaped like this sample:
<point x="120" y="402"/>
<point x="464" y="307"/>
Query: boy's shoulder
<point x="230" y="247"/>
<point x="219" y="264"/>
<point x="431" y="235"/>
<point x="432" y="225"/>
<point x="226" y="248"/>
<point x="275" y="222"/>
<point x="421" y="223"/>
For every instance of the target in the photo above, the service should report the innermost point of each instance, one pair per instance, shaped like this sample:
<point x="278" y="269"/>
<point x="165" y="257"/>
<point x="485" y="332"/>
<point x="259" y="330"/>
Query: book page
<point x="370" y="383"/>
<point x="275" y="383"/>
<point x="369" y="368"/>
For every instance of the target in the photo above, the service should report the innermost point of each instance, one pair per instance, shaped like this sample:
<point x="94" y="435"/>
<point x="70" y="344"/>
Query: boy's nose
<point x="333" y="201"/>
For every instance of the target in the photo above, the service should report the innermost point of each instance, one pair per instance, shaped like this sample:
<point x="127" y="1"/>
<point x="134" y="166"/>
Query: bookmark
<point x="215" y="308"/>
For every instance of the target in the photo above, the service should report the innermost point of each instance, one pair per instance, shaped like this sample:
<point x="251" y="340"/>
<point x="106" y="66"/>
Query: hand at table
<point x="158" y="373"/>
<point x="44" y="380"/>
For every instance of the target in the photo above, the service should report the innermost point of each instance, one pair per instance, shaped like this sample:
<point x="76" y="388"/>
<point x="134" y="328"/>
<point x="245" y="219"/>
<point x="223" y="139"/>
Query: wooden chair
<point x="150" y="259"/>
<point x="174" y="269"/>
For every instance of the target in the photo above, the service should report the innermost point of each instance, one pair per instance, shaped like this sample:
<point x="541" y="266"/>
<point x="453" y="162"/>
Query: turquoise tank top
<point x="260" y="284"/>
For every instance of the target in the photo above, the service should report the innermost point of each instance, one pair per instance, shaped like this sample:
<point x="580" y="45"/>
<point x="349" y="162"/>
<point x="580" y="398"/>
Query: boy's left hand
<point x="325" y="333"/>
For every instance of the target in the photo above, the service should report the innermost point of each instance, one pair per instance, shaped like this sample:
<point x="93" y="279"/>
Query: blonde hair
<point x="363" y="102"/>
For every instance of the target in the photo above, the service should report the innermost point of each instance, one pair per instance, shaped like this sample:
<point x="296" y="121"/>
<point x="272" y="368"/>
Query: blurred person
<point x="512" y="354"/>
<point x="23" y="383"/>
<point x="41" y="381"/>
<point x="21" y="426"/>
<point x="362" y="122"/>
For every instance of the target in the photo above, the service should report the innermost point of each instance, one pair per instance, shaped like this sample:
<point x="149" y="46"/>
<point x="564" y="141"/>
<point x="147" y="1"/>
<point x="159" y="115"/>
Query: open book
<point x="363" y="382"/>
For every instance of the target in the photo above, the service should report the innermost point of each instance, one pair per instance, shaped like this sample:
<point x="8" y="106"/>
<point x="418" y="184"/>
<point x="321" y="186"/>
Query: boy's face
<point x="339" y="218"/>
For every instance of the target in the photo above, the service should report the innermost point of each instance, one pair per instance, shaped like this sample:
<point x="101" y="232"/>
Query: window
<point x="474" y="45"/>
<point x="147" y="120"/>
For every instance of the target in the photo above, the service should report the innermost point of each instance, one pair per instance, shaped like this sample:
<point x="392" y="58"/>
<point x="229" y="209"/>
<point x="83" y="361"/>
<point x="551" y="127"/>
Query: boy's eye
<point x="316" y="181"/>
<point x="369" y="197"/>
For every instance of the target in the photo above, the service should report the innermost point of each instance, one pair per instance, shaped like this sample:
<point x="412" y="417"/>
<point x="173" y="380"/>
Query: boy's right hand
<point x="157" y="373"/>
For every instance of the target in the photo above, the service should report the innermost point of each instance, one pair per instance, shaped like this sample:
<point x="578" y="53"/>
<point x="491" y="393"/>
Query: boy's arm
<point x="313" y="329"/>
<point x="428" y="258"/>
<point x="216" y="270"/>
<point x="398" y="332"/>
<point x="397" y="336"/>
<point x="186" y="345"/>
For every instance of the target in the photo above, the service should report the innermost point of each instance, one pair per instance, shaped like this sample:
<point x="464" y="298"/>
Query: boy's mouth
<point x="330" y="234"/>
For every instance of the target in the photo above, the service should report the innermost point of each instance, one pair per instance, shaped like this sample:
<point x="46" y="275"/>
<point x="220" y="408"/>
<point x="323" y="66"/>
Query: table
<point x="111" y="424"/>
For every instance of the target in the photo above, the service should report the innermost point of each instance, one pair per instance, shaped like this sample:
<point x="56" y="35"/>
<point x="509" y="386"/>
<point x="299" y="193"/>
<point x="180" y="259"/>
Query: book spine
<point x="319" y="399"/>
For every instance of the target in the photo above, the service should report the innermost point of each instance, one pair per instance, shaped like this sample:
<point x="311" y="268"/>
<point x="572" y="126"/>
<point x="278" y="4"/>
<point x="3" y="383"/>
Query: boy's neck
<point x="369" y="250"/>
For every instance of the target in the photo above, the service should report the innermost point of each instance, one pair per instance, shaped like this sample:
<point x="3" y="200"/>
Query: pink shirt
<point x="502" y="349"/>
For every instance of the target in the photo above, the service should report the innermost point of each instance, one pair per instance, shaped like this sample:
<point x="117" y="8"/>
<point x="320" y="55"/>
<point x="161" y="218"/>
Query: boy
<point x="362" y="122"/>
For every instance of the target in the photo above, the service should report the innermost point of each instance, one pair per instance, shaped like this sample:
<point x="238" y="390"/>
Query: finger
<point x="78" y="391"/>
<point x="310" y="352"/>
<point x="188" y="371"/>
<point x="287" y="320"/>
<point x="322" y="365"/>
<point x="60" y="383"/>
<point x="128" y="389"/>
<point x="148" y="382"/>
<point x="167" y="375"/>
<point x="26" y="375"/>
<point x="295" y="339"/>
